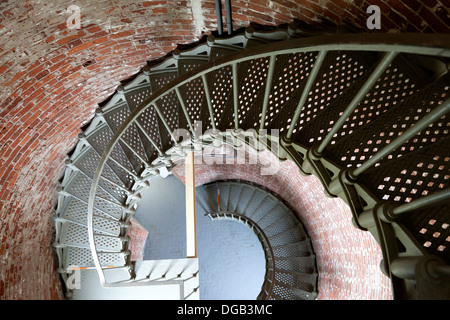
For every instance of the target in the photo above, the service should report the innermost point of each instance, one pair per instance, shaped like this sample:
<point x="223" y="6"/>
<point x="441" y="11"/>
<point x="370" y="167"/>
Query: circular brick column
<point x="52" y="78"/>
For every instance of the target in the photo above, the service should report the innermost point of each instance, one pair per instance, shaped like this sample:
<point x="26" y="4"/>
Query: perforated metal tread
<point x="75" y="210"/>
<point x="74" y="235"/>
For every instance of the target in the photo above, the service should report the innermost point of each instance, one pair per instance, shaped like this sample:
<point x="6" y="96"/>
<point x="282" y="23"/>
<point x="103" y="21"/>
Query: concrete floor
<point x="231" y="259"/>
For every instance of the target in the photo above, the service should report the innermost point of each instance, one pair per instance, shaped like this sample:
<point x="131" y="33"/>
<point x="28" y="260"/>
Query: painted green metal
<point x="208" y="102"/>
<point x="157" y="148"/>
<point x="423" y="123"/>
<point x="235" y="95"/>
<point x="312" y="77"/>
<point x="431" y="200"/>
<point x="163" y="119"/>
<point x="267" y="90"/>
<point x="379" y="70"/>
<point x="390" y="44"/>
<point x="186" y="115"/>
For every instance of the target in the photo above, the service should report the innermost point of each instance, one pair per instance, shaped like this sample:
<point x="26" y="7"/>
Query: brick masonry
<point x="52" y="78"/>
<point x="138" y="236"/>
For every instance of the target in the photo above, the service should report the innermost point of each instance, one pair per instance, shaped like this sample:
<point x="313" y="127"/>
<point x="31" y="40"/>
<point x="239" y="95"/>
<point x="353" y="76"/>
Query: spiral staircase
<point x="365" y="113"/>
<point x="291" y="272"/>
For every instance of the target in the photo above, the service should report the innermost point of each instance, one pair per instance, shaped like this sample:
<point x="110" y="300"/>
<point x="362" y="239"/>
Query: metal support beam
<point x="229" y="20"/>
<point x="219" y="16"/>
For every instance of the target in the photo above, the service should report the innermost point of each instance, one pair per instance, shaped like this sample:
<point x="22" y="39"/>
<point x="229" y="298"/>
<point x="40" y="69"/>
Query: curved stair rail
<point x="365" y="113"/>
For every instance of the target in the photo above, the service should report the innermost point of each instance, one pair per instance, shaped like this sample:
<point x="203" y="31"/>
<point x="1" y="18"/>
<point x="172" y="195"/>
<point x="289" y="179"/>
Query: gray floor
<point x="231" y="259"/>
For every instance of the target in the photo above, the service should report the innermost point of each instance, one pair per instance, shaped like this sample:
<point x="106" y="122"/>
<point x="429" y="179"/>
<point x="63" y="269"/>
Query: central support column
<point x="191" y="237"/>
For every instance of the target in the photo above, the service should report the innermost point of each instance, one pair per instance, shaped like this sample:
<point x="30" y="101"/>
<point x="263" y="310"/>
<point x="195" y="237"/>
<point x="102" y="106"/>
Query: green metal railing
<point x="310" y="160"/>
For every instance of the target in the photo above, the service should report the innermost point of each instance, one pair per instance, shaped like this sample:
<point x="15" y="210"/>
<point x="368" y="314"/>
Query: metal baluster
<point x="235" y="95"/>
<point x="431" y="200"/>
<point x="312" y="76"/>
<point x="134" y="151"/>
<point x="208" y="101"/>
<point x="160" y="153"/>
<point x="161" y="116"/>
<point x="379" y="70"/>
<point x="267" y="90"/>
<point x="408" y="134"/>
<point x="186" y="115"/>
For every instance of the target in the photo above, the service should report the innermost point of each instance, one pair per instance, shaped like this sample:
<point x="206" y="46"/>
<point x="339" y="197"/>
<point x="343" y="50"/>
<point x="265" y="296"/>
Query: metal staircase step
<point x="224" y="194"/>
<point x="82" y="258"/>
<point x="297" y="264"/>
<point x="291" y="235"/>
<point x="78" y="185"/>
<point x="390" y="180"/>
<point x="235" y="190"/>
<point x="166" y="269"/>
<point x="135" y="96"/>
<point x="74" y="210"/>
<point x="372" y="136"/>
<point x="244" y="198"/>
<point x="294" y="249"/>
<point x="286" y="292"/>
<point x="280" y="224"/>
<point x="119" y="162"/>
<point x="115" y="117"/>
<point x="86" y="161"/>
<point x="252" y="77"/>
<point x="189" y="63"/>
<point x="209" y="200"/>
<point x="325" y="104"/>
<point x="74" y="235"/>
<point x="304" y="281"/>
<point x="289" y="79"/>
<point x="254" y="203"/>
<point x="221" y="94"/>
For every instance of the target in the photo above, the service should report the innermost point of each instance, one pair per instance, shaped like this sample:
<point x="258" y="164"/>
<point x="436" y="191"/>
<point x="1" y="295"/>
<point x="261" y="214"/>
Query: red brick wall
<point x="348" y="260"/>
<point x="52" y="79"/>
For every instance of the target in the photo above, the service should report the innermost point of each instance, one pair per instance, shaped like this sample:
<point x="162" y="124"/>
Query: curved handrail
<point x="424" y="44"/>
<point x="268" y="252"/>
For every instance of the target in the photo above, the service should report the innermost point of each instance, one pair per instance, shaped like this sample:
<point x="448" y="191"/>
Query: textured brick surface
<point x="347" y="259"/>
<point x="138" y="235"/>
<point x="52" y="79"/>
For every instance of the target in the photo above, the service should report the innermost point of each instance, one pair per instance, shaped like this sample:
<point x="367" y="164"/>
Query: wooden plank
<point x="191" y="237"/>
